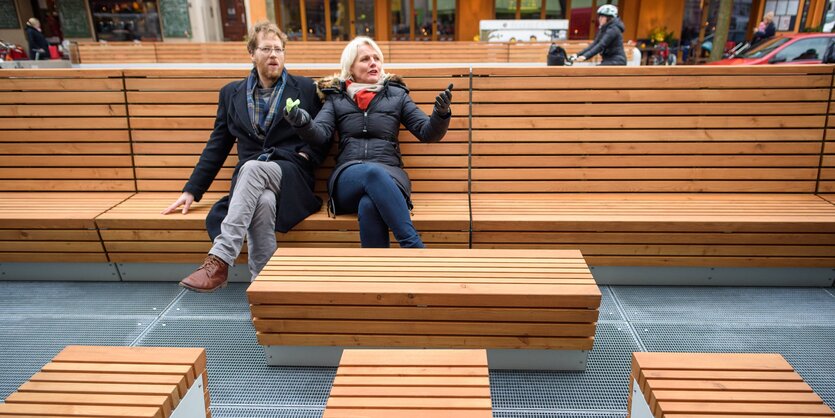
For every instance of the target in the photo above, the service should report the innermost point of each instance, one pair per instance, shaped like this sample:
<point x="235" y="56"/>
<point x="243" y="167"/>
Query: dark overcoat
<point x="296" y="200"/>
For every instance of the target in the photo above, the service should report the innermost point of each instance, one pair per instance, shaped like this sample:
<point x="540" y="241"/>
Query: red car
<point x="801" y="48"/>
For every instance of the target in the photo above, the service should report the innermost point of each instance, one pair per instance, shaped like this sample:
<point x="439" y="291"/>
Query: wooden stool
<point x="85" y="381"/>
<point x="679" y="385"/>
<point x="411" y="384"/>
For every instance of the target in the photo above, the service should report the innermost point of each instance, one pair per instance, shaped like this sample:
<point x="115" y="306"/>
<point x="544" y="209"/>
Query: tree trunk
<point x="723" y="22"/>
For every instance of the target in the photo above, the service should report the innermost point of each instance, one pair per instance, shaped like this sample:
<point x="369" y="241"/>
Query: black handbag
<point x="556" y="55"/>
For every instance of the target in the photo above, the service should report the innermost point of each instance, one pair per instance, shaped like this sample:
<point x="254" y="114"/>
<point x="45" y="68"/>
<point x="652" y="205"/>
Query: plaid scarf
<point x="255" y="106"/>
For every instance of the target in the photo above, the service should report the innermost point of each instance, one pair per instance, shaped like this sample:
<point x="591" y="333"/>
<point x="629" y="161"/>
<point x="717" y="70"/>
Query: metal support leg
<point x="193" y="405"/>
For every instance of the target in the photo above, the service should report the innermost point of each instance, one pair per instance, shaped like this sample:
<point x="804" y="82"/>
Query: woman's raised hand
<point x="443" y="101"/>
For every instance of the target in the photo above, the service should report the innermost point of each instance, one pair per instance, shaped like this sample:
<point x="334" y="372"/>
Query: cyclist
<point x="609" y="39"/>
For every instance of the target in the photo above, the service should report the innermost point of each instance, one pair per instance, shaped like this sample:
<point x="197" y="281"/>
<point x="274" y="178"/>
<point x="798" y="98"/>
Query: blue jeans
<point x="371" y="192"/>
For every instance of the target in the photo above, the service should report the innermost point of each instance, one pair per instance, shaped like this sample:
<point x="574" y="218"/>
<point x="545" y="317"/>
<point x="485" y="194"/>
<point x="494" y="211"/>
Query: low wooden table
<point x="411" y="384"/>
<point x="531" y="309"/>
<point x="136" y="382"/>
<point x="670" y="385"/>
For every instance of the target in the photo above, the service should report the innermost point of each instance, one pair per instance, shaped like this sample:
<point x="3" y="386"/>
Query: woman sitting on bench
<point x="366" y="107"/>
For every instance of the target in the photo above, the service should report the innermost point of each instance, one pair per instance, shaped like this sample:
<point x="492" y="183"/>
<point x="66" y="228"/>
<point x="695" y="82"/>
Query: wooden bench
<point x="210" y="52"/>
<point x="686" y="166"/>
<point x="827" y="170"/>
<point x="115" y="52"/>
<point x="411" y="384"/>
<point x="678" y="385"/>
<point x="65" y="158"/>
<point x="534" y="309"/>
<point x="172" y="113"/>
<point x="91" y="381"/>
<point x="455" y="52"/>
<point x="397" y="52"/>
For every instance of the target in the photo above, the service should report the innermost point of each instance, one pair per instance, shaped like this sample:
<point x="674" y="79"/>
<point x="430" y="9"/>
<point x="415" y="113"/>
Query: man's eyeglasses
<point x="268" y="51"/>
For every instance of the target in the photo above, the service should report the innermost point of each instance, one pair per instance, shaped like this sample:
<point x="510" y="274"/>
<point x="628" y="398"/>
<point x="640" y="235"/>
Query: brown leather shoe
<point x="208" y="277"/>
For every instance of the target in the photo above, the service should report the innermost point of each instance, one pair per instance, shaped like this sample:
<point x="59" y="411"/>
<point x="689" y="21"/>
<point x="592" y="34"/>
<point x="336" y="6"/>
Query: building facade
<point x="386" y="20"/>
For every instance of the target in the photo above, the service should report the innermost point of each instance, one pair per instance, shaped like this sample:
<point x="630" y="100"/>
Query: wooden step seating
<point x="690" y="166"/>
<point x="399" y="52"/>
<point x="172" y="113"/>
<point x="714" y="385"/>
<point x="534" y="309"/>
<point x="110" y="382"/>
<point x="116" y="52"/>
<point x="827" y="175"/>
<point x="65" y="158"/>
<point x="411" y="384"/>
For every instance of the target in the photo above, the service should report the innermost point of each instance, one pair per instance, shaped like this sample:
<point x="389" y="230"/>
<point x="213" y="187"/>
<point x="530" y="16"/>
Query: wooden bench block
<point x="677" y="385"/>
<point x="135" y="231"/>
<point x="663" y="229"/>
<point x="411" y="383"/>
<point x="532" y="301"/>
<point x="115" y="382"/>
<point x="53" y="227"/>
<point x="64" y="130"/>
<point x="655" y="167"/>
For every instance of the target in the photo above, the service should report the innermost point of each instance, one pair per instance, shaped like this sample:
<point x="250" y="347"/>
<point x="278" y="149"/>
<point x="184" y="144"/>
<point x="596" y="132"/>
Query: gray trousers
<point x="252" y="214"/>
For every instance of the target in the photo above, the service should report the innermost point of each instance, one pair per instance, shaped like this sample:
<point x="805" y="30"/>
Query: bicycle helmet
<point x="608" y="10"/>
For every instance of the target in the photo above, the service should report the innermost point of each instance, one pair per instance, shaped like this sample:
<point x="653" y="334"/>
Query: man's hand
<point x="291" y="104"/>
<point x="580" y="58"/>
<point x="185" y="200"/>
<point x="443" y="101"/>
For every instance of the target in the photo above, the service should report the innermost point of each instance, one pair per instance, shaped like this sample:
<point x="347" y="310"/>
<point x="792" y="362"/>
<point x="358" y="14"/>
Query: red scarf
<point x="363" y="97"/>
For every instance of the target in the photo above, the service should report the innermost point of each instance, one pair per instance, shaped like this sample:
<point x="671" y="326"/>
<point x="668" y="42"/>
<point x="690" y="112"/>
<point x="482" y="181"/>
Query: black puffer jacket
<point x="608" y="43"/>
<point x="371" y="137"/>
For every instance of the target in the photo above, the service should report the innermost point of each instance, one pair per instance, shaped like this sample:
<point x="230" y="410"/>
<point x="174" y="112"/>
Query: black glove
<point x="297" y="117"/>
<point x="443" y="101"/>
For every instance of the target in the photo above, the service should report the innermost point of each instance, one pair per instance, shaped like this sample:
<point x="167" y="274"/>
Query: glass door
<point x="325" y="20"/>
<point x="421" y="20"/>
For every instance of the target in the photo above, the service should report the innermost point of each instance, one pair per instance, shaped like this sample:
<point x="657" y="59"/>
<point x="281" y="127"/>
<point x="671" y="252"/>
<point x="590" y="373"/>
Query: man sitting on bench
<point x="272" y="185"/>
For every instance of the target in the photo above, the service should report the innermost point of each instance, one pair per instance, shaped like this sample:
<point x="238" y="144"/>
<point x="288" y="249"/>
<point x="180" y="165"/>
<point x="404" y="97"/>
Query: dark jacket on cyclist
<point x="608" y="43"/>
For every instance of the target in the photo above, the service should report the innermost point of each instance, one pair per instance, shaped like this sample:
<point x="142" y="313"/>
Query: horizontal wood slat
<point x="57" y="119"/>
<point x="692" y="132"/>
<point x="112" y="382"/>
<point x="426" y="298"/>
<point x="722" y="385"/>
<point x="411" y="383"/>
<point x="685" y="149"/>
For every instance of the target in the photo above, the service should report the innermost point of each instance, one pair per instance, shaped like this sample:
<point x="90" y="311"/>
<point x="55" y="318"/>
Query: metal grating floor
<point x="39" y="318"/>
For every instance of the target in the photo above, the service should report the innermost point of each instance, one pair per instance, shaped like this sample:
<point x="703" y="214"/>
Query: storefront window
<point x="785" y="13"/>
<point x="505" y="9"/>
<point x="400" y="20"/>
<point x="340" y="21"/>
<point x="423" y="20"/>
<point x="828" y="17"/>
<point x="291" y="22"/>
<point x="446" y="20"/>
<point x="555" y="9"/>
<point x="530" y="9"/>
<point x="315" y="12"/>
<point x="365" y="17"/>
<point x="116" y="20"/>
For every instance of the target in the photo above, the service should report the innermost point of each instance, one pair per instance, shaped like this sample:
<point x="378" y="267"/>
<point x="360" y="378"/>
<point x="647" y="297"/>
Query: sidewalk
<point x="40" y="318"/>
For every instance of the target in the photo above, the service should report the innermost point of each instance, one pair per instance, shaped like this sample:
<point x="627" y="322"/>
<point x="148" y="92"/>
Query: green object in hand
<point x="291" y="104"/>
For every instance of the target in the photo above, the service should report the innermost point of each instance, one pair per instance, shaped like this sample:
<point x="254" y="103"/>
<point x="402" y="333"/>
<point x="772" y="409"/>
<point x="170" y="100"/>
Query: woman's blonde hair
<point x="349" y="55"/>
